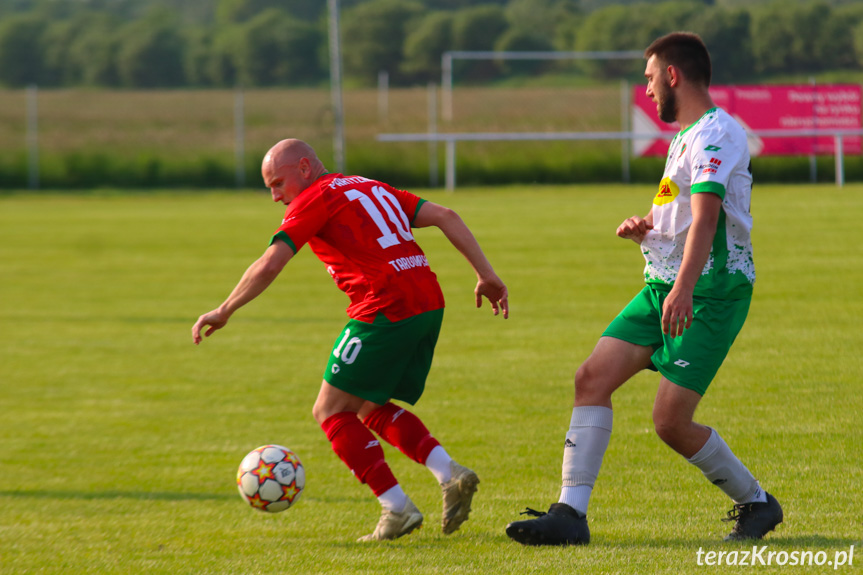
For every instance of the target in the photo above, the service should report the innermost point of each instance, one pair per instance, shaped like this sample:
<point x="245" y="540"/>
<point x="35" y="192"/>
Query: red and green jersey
<point x="361" y="230"/>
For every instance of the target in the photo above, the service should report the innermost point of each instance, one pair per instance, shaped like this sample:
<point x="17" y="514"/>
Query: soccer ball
<point x="271" y="478"/>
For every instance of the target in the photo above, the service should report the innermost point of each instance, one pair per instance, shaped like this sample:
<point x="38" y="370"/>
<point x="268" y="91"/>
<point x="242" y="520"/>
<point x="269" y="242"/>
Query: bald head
<point x="290" y="167"/>
<point x="289" y="152"/>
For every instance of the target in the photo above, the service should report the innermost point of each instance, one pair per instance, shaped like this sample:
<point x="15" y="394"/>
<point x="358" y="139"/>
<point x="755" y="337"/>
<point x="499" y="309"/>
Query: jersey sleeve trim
<point x="709" y="187"/>
<point x="281" y="235"/>
<point x="417" y="211"/>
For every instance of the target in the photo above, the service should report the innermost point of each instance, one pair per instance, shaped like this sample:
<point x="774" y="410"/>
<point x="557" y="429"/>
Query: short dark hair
<point x="686" y="51"/>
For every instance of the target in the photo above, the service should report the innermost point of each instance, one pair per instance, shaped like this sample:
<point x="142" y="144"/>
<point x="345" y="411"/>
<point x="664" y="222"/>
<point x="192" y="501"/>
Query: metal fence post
<point x="239" y="138"/>
<point x="840" y="161"/>
<point x="383" y="95"/>
<point x="446" y="86"/>
<point x="450" y="165"/>
<point x="813" y="161"/>
<point x="33" y="136"/>
<point x="336" y="88"/>
<point x="432" y="145"/>
<point x="625" y="144"/>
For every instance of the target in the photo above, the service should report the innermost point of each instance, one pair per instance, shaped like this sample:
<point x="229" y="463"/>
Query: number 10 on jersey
<point x="394" y="212"/>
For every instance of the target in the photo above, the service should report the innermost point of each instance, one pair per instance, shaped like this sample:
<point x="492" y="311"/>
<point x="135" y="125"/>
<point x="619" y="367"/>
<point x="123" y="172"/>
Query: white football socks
<point x="394" y="499"/>
<point x="588" y="437"/>
<point x="722" y="468"/>
<point x="438" y="462"/>
<point x="586" y="442"/>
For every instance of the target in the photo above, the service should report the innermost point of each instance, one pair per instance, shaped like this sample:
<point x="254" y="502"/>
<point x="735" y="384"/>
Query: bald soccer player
<point x="361" y="230"/>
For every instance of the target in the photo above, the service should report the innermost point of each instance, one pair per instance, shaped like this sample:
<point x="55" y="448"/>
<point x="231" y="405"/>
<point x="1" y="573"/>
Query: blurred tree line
<point x="222" y="43"/>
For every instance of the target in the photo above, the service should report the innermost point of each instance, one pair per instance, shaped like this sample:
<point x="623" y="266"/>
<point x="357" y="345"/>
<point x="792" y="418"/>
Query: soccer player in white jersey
<point x="699" y="273"/>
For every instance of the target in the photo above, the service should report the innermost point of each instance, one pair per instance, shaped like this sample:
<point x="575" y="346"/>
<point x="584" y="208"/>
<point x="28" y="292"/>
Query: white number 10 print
<point x="394" y="211"/>
<point x="351" y="350"/>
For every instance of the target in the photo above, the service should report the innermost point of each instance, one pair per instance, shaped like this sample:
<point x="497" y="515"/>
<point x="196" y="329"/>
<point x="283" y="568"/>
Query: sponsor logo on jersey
<point x="350" y="181"/>
<point x="409" y="262"/>
<point x="668" y="192"/>
<point x="710" y="167"/>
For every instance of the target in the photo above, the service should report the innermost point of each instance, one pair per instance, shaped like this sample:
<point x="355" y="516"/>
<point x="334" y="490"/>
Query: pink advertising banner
<point x="758" y="108"/>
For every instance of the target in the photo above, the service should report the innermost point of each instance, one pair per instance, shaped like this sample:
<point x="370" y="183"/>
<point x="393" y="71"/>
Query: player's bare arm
<point x="255" y="280"/>
<point x="677" y="309"/>
<point x="488" y="285"/>
<point x="635" y="228"/>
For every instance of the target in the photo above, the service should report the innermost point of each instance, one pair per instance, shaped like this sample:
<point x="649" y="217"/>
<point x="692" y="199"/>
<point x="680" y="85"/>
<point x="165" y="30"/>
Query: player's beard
<point x="666" y="104"/>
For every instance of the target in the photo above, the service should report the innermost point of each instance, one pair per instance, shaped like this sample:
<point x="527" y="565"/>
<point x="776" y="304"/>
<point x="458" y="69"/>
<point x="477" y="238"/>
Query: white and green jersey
<point x="709" y="156"/>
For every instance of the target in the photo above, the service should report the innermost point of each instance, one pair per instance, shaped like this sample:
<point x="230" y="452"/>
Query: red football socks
<point x="402" y="429"/>
<point x="359" y="450"/>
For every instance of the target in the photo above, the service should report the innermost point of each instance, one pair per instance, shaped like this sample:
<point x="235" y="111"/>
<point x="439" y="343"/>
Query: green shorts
<point x="690" y="360"/>
<point x="384" y="360"/>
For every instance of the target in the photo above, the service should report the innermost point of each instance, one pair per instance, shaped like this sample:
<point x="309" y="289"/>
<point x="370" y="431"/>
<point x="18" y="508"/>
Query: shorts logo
<point x="373" y="443"/>
<point x="668" y="192"/>
<point x="336" y="368"/>
<point x="681" y="363"/>
<point x="712" y="148"/>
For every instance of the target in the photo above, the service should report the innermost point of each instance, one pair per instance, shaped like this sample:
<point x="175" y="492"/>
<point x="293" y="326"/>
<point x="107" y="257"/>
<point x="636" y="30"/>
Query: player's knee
<point x="588" y="386"/>
<point x="582" y="377"/>
<point x="665" y="432"/>
<point x="669" y="429"/>
<point x="320" y="412"/>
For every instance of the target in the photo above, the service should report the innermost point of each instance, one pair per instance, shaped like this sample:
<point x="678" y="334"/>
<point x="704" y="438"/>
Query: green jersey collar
<point x="713" y="109"/>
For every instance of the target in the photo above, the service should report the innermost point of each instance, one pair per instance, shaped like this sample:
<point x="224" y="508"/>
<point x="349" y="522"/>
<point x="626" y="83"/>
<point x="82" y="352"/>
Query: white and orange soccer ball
<point x="271" y="478"/>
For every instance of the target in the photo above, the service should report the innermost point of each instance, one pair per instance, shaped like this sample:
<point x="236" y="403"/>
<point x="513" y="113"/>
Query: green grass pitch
<point x="119" y="439"/>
